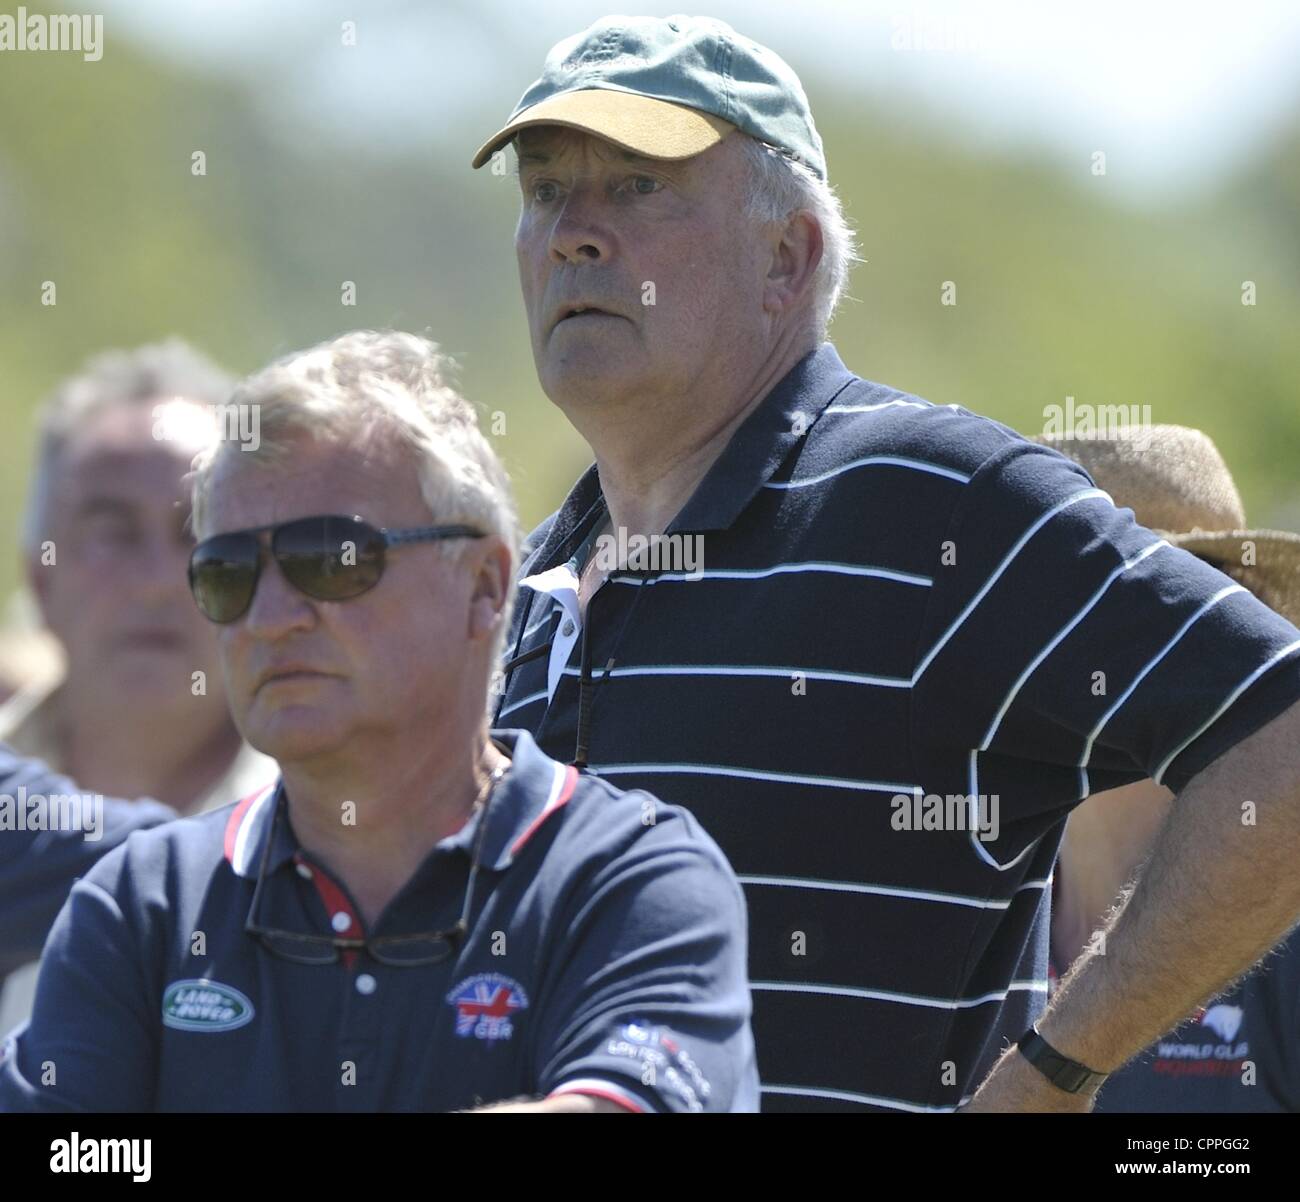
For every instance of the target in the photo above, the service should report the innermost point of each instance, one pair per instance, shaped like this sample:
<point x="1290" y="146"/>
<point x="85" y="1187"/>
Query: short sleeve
<point x="1067" y="650"/>
<point x="648" y="1003"/>
<point x="91" y="1044"/>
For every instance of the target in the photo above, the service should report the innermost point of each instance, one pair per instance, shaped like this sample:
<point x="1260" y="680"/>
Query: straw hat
<point x="1176" y="483"/>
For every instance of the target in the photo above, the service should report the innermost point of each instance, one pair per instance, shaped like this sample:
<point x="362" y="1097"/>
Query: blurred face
<point x="661" y="249"/>
<point x="116" y="595"/>
<point x="309" y="678"/>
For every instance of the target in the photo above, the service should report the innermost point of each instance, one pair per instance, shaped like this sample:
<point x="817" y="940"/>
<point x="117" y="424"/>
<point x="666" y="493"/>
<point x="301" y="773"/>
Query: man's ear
<point x="795" y="258"/>
<point x="492" y="584"/>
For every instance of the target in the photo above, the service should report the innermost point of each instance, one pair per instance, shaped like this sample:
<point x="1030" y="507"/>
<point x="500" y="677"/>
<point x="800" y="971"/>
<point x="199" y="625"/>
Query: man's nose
<point x="580" y="233"/>
<point x="276" y="607"/>
<point x="158" y="570"/>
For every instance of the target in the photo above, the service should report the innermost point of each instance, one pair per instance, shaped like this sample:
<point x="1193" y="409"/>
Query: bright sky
<point x="1175" y="91"/>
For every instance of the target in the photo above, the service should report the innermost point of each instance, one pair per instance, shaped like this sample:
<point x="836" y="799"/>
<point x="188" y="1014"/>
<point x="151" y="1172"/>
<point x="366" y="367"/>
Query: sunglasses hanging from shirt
<point x="328" y="558"/>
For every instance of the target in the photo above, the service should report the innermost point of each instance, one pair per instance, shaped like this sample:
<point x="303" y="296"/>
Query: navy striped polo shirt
<point x="913" y="642"/>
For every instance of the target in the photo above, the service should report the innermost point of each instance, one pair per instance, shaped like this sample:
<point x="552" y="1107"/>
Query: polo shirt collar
<point x="248" y="827"/>
<point x="761" y="444"/>
<point x="533" y="789"/>
<point x="763" y="441"/>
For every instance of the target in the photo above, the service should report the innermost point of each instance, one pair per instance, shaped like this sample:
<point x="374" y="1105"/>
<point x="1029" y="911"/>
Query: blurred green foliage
<point x="1061" y="289"/>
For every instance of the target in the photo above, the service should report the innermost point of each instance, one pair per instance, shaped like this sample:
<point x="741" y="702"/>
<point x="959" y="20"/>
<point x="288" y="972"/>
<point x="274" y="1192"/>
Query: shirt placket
<point x="359" y="1068"/>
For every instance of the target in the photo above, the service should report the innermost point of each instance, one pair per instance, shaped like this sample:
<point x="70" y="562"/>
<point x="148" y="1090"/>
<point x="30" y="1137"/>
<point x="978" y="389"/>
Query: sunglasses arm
<point x="424" y="534"/>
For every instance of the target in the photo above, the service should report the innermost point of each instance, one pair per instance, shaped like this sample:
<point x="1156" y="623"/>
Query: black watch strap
<point x="1061" y="1071"/>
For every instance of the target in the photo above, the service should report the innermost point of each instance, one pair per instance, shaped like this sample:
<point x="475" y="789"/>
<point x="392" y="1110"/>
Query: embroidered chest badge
<point x="485" y="1004"/>
<point x="203" y="1005"/>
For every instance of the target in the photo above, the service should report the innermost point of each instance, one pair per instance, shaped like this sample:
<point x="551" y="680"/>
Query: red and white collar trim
<point x="251" y="816"/>
<point x="248" y="818"/>
<point x="563" y="782"/>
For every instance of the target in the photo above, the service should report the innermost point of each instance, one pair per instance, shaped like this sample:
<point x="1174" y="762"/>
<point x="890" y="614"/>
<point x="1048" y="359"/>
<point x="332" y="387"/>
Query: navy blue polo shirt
<point x="605" y="955"/>
<point x="38" y="866"/>
<point x="898" y="602"/>
<point x="1238" y="1054"/>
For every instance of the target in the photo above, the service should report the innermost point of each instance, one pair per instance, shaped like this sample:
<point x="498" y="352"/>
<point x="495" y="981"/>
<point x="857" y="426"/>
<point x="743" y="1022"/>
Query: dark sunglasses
<point x="328" y="558"/>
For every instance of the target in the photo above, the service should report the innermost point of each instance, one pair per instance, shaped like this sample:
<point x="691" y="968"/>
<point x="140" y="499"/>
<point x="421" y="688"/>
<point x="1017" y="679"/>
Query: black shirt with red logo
<point x="1240" y="1053"/>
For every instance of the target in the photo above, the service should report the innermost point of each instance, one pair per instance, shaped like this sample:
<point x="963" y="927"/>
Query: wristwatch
<point x="1061" y="1071"/>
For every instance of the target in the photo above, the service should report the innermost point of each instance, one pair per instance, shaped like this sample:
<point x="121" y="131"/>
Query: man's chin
<point x="294" y="737"/>
<point x="149" y="681"/>
<point x="588" y="379"/>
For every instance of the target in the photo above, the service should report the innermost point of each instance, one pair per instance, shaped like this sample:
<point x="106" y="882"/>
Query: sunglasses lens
<point x="223" y="574"/>
<point x="330" y="558"/>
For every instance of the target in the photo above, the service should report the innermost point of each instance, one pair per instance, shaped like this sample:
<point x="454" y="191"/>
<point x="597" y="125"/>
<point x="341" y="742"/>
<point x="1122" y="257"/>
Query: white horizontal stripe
<point x="870" y="461"/>
<point x="873" y="408"/>
<point x="790" y="778"/>
<point x="950" y="899"/>
<point x="840" y="1095"/>
<point x="1029" y="987"/>
<point x="1228" y="590"/>
<point x="781" y="569"/>
<point x="976" y="843"/>
<point x="1056" y="639"/>
<point x="903" y="999"/>
<point x="523" y="701"/>
<point x="888" y="682"/>
<point x="1082" y="495"/>
<point x="1237" y="692"/>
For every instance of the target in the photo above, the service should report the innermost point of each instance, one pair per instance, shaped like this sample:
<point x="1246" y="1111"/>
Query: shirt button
<point x="303" y="871"/>
<point x="366" y="984"/>
<point x="341" y="921"/>
<point x="567" y="628"/>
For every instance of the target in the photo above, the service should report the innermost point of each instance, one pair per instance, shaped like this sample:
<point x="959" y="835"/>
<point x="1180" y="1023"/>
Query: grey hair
<point x="162" y="370"/>
<point x="777" y="186"/>
<point x="365" y="382"/>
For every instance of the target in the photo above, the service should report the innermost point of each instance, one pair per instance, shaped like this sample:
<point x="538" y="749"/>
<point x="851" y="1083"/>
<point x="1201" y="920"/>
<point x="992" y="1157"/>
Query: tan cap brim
<point x="644" y="125"/>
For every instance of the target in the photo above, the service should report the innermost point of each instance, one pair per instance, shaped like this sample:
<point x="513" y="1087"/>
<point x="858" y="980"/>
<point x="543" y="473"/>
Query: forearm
<point x="569" y="1103"/>
<point x="1218" y="892"/>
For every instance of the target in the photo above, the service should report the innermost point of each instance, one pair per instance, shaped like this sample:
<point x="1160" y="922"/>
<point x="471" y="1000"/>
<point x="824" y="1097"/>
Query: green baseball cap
<point x="667" y="88"/>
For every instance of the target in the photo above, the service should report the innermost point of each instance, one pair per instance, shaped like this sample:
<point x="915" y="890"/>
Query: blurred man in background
<point x="139" y="710"/>
<point x="1240" y="1051"/>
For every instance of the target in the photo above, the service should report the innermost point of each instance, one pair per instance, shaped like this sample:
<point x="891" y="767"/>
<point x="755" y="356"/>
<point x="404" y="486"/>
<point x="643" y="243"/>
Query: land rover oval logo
<point x="205" y="1006"/>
